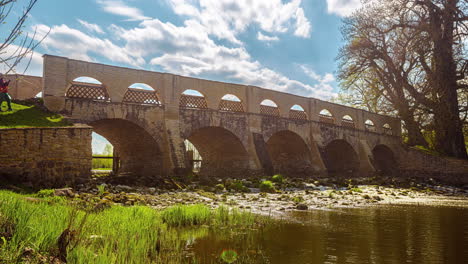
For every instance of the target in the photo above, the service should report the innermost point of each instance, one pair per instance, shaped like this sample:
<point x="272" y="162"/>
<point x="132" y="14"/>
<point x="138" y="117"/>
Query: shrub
<point x="358" y="190"/>
<point x="267" y="186"/>
<point x="278" y="178"/>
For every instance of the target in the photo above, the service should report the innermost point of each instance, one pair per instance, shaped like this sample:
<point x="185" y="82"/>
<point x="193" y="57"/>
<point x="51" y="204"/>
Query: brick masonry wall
<point x="419" y="164"/>
<point x="45" y="157"/>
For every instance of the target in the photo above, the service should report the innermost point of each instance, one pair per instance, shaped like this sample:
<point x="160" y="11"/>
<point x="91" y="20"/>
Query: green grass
<point x="102" y="164"/>
<point x="118" y="234"/>
<point x="29" y="115"/>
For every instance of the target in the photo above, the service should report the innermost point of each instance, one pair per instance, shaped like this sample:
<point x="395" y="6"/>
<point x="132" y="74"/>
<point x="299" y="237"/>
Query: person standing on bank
<point x="4" y="96"/>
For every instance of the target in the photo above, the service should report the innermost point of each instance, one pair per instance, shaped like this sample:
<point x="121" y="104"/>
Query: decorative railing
<point x="191" y="101"/>
<point x="348" y="123"/>
<point x="387" y="131"/>
<point x="87" y="91"/>
<point x="326" y="119"/>
<point x="269" y="110"/>
<point x="297" y="114"/>
<point x="231" y="106"/>
<point x="140" y="96"/>
<point x="370" y="127"/>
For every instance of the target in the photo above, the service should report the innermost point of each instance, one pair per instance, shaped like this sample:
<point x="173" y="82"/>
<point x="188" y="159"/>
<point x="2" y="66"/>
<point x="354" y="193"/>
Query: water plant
<point x="278" y="178"/>
<point x="267" y="186"/>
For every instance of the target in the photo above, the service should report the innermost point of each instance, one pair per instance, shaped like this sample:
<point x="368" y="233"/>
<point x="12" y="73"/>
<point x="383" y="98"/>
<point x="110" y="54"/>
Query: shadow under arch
<point x="289" y="154"/>
<point x="140" y="154"/>
<point x="384" y="160"/>
<point x="340" y="158"/>
<point x="223" y="153"/>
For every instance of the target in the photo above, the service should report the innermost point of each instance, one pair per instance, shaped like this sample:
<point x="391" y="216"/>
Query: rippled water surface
<point x="391" y="234"/>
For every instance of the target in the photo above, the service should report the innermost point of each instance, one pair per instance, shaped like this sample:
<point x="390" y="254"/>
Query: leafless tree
<point x="18" y="45"/>
<point x="415" y="51"/>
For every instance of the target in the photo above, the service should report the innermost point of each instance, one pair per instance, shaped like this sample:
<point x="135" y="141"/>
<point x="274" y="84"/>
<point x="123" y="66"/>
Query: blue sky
<point x="286" y="45"/>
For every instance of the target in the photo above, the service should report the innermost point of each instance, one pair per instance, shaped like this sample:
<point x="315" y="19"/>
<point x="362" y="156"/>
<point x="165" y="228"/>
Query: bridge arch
<point x="325" y="116"/>
<point x="192" y="99"/>
<point x="85" y="87"/>
<point x="340" y="158"/>
<point x="141" y="93"/>
<point x="384" y="160"/>
<point x="289" y="153"/>
<point x="231" y="103"/>
<point x="139" y="152"/>
<point x="387" y="129"/>
<point x="370" y="125"/>
<point x="348" y="121"/>
<point x="297" y="112"/>
<point x="223" y="153"/>
<point x="269" y="107"/>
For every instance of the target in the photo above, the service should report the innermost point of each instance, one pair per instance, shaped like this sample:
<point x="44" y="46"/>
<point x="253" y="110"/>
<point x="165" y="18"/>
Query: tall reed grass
<point x="119" y="234"/>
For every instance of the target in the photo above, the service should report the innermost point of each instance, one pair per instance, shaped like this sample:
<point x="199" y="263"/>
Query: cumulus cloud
<point x="117" y="7"/>
<point x="323" y="82"/>
<point x="78" y="45"/>
<point x="189" y="50"/>
<point x="262" y="37"/>
<point x="272" y="16"/>
<point x="31" y="64"/>
<point x="91" y="27"/>
<point x="343" y="7"/>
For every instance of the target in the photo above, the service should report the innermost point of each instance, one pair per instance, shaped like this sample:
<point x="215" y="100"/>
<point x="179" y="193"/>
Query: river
<point x="383" y="234"/>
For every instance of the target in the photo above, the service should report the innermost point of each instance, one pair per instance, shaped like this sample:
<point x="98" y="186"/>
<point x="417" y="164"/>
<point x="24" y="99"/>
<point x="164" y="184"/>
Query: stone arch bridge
<point x="237" y="129"/>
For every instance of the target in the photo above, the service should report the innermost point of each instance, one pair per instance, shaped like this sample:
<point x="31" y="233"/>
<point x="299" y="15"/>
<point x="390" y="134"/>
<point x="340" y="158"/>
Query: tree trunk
<point x="415" y="137"/>
<point x="449" y="138"/>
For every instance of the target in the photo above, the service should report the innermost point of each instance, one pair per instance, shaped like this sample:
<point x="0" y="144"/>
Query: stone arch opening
<point x="141" y="93"/>
<point x="222" y="153"/>
<point x="231" y="103"/>
<point x="103" y="153"/>
<point x="340" y="158"/>
<point x="193" y="99"/>
<point x="289" y="153"/>
<point x="387" y="129"/>
<point x="87" y="88"/>
<point x="297" y="112"/>
<point x="347" y="121"/>
<point x="384" y="160"/>
<point x="139" y="153"/>
<point x="325" y="116"/>
<point x="370" y="126"/>
<point x="268" y="107"/>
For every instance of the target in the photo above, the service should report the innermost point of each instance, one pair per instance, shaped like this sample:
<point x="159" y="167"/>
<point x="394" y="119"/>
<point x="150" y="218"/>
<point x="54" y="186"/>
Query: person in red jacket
<point x="4" y="96"/>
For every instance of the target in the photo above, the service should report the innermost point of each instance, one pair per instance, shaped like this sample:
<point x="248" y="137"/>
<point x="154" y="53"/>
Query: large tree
<point x="411" y="54"/>
<point x="16" y="44"/>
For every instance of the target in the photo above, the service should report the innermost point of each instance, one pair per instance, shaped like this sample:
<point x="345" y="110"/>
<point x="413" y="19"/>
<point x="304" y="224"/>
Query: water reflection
<point x="393" y="234"/>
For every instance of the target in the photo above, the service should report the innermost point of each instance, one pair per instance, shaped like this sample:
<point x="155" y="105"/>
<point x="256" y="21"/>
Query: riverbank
<point x="279" y="195"/>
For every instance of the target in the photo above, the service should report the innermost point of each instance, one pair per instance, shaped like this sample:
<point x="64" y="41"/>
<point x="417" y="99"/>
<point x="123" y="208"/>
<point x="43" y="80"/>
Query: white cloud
<point x="343" y="7"/>
<point x="31" y="64"/>
<point x="262" y="37"/>
<point x="323" y="83"/>
<point x="118" y="7"/>
<point x="78" y="45"/>
<point x="188" y="50"/>
<point x="91" y="27"/>
<point x="271" y="16"/>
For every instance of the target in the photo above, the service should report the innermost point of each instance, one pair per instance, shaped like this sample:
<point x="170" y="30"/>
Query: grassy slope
<point x="29" y="116"/>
